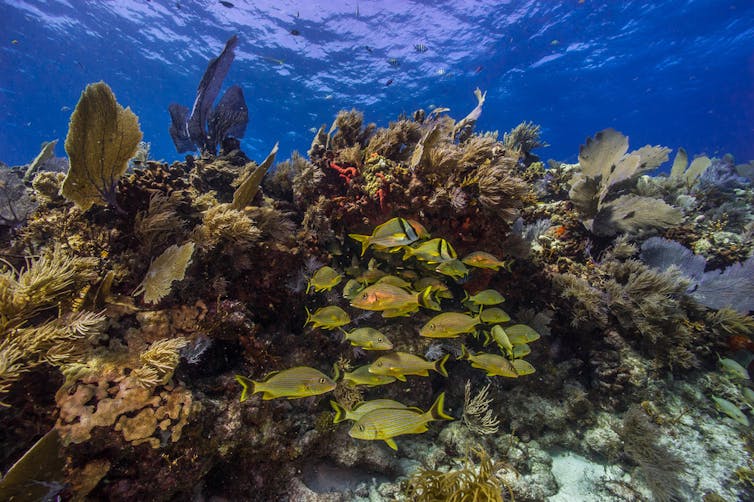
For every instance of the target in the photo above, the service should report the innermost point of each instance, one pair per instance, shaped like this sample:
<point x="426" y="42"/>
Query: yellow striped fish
<point x="393" y="233"/>
<point x="432" y="251"/>
<point x="449" y="325"/>
<point x="400" y="364"/>
<point x="386" y="423"/>
<point x="368" y="339"/>
<point x="493" y="364"/>
<point x="293" y="383"/>
<point x="362" y="376"/>
<point x="365" y="407"/>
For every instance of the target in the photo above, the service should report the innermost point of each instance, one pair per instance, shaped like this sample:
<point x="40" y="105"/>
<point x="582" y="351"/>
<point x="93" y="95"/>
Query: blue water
<point x="675" y="73"/>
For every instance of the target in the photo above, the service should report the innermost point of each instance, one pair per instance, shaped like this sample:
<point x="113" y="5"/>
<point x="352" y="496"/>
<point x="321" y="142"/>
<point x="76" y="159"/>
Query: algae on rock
<point x="102" y="137"/>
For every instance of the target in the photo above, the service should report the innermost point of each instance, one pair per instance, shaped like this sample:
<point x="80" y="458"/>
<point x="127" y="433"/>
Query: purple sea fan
<point x="721" y="176"/>
<point x="732" y="287"/>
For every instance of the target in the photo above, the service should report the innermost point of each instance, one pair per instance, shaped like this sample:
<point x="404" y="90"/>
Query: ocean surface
<point x="674" y="73"/>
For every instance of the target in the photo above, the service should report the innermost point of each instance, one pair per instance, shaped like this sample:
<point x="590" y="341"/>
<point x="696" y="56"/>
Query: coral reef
<point x="629" y="294"/>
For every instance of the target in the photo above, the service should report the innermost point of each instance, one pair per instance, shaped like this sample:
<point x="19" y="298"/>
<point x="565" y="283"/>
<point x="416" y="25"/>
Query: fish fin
<point x="340" y="412"/>
<point x="363" y="239"/>
<point x="266" y="396"/>
<point x="402" y="378"/>
<point x="464" y="352"/>
<point x="440" y="366"/>
<point x="308" y="286"/>
<point x="391" y="443"/>
<point x="436" y="411"/>
<point x="409" y="253"/>
<point x="308" y="316"/>
<point x="248" y="385"/>
<point x="487" y="337"/>
<point x="426" y="300"/>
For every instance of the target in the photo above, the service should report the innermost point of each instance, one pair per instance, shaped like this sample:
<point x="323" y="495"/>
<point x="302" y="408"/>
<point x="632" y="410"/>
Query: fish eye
<point x="379" y="340"/>
<point x="364" y="296"/>
<point x="431" y="325"/>
<point x="361" y="427"/>
<point x="322" y="380"/>
<point x="379" y="365"/>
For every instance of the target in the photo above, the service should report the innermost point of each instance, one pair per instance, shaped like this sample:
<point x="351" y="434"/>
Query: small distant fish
<point x="394" y="62"/>
<point x="389" y="82"/>
<point x="386" y="423"/>
<point x="65" y="108"/>
<point x="369" y="49"/>
<point x="324" y="279"/>
<point x="420" y="48"/>
<point x="14" y="41"/>
<point x="177" y="5"/>
<point x="295" y="32"/>
<point x="478" y="69"/>
<point x="730" y="409"/>
<point x="329" y="317"/>
<point x="441" y="71"/>
<point x="329" y="97"/>
<point x="226" y="4"/>
<point x="313" y="130"/>
<point x="480" y="259"/>
<point x="555" y="42"/>
<point x="293" y="383"/>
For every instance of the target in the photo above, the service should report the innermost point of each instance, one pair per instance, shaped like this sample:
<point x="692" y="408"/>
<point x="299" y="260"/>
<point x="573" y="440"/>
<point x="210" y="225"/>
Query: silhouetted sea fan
<point x="204" y="128"/>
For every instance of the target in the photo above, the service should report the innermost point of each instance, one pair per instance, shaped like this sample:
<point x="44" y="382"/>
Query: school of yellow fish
<point x="419" y="282"/>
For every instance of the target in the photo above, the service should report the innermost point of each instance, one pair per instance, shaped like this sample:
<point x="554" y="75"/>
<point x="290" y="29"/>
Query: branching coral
<point x="468" y="483"/>
<point x="477" y="415"/>
<point x="662" y="468"/>
<point x="524" y="138"/>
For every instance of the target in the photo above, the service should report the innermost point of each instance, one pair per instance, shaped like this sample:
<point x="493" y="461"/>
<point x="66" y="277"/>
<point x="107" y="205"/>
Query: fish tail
<point x="436" y="412"/>
<point x="363" y="239"/>
<point x="308" y="316"/>
<point x="340" y="412"/>
<point x="464" y="352"/>
<point x="440" y="366"/>
<point x="508" y="264"/>
<point x="408" y="253"/>
<point x="248" y="387"/>
<point x="426" y="300"/>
